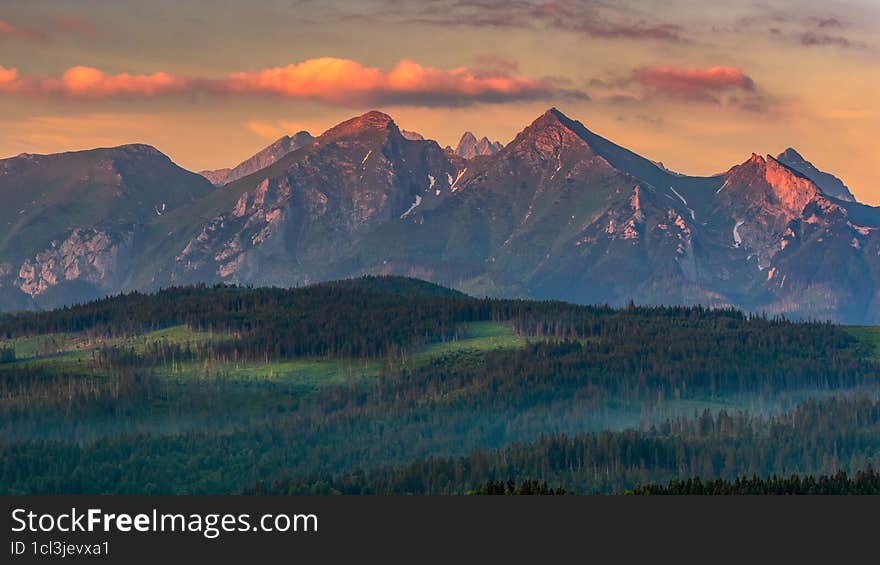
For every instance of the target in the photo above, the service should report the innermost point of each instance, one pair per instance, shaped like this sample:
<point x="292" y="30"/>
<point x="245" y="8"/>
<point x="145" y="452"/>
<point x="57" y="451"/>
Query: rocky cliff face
<point x="87" y="254"/>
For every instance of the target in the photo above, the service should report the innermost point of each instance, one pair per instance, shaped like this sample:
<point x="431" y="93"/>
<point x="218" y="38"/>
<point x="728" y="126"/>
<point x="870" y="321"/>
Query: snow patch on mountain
<point x="412" y="207"/>
<point x="737" y="238"/>
<point x="454" y="186"/>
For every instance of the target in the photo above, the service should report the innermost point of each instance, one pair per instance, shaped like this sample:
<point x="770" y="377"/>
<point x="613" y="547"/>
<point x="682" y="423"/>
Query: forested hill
<point x="369" y="316"/>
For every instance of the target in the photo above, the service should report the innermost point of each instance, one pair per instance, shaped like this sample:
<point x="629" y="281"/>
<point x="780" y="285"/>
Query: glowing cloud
<point x="90" y="82"/>
<point x="695" y="84"/>
<point x="340" y="82"/>
<point x="346" y="82"/>
<point x="9" y="80"/>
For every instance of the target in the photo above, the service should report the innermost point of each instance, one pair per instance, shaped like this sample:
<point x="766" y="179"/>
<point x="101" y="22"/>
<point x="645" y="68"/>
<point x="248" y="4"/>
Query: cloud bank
<point x="694" y="84"/>
<point x="341" y="82"/>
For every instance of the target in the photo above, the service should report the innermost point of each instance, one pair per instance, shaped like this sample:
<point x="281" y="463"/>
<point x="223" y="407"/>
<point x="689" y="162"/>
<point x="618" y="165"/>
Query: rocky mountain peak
<point x="372" y="119"/>
<point x="756" y="159"/>
<point x="551" y="133"/>
<point x="371" y="122"/>
<point x="767" y="183"/>
<point x="469" y="146"/>
<point x="467" y="138"/>
<point x="790" y="154"/>
<point x="828" y="183"/>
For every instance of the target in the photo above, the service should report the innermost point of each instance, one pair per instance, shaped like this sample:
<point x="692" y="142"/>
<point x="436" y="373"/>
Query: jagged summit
<point x="550" y="117"/>
<point x="469" y="146"/>
<point x="552" y="121"/>
<point x="558" y="130"/>
<point x="467" y="137"/>
<point x="828" y="183"/>
<point x="765" y="181"/>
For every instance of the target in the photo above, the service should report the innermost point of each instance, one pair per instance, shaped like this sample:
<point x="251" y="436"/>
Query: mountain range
<point x="558" y="213"/>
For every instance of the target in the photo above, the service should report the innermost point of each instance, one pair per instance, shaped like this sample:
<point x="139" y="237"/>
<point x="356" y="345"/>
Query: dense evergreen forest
<point x="863" y="482"/>
<point x="391" y="385"/>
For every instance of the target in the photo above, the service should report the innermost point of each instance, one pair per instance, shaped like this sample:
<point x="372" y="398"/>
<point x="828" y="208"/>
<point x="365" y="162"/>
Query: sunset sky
<point x="696" y="85"/>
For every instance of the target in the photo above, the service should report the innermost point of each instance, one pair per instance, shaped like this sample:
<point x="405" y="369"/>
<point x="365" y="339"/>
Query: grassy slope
<point x="869" y="335"/>
<point x="69" y="350"/>
<point x="481" y="336"/>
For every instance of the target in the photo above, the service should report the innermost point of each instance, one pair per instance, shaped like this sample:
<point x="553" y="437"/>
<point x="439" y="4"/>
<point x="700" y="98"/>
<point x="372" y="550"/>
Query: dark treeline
<point x="817" y="437"/>
<point x="376" y="317"/>
<point x="340" y="320"/>
<point x="863" y="482"/>
<point x="526" y="488"/>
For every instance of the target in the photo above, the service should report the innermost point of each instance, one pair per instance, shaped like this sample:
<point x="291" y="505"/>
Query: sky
<point x="697" y="85"/>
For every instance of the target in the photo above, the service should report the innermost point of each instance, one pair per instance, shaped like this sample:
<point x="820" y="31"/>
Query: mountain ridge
<point x="830" y="184"/>
<point x="260" y="160"/>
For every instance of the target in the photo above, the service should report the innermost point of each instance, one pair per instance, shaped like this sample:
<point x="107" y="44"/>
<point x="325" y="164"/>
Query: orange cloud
<point x="349" y="83"/>
<point x="696" y="84"/>
<point x="88" y="82"/>
<point x="9" y="80"/>
<point x="341" y="82"/>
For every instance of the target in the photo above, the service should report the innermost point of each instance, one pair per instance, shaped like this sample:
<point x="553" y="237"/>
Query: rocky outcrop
<point x="87" y="254"/>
